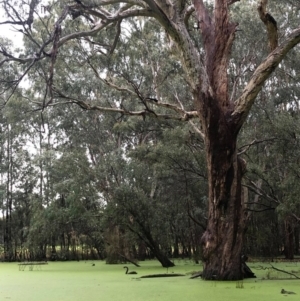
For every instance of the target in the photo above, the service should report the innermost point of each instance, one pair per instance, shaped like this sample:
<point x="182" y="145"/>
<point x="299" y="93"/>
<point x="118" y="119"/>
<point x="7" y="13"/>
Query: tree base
<point x="230" y="275"/>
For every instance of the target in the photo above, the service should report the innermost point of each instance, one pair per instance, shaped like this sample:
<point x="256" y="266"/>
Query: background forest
<point x="86" y="184"/>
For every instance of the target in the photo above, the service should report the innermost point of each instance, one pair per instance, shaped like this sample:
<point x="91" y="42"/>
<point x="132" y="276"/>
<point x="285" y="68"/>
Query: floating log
<point x="162" y="275"/>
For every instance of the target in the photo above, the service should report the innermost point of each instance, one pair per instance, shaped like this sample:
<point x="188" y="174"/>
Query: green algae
<point x="80" y="281"/>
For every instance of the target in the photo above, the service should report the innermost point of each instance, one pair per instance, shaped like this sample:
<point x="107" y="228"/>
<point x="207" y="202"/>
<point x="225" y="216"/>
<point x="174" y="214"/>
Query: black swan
<point x="131" y="273"/>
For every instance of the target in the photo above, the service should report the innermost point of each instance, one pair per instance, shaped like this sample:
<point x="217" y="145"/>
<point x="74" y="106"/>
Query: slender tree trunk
<point x="145" y="235"/>
<point x="156" y="251"/>
<point x="53" y="255"/>
<point x="7" y="237"/>
<point x="297" y="243"/>
<point x="161" y="257"/>
<point x="142" y="251"/>
<point x="176" y="247"/>
<point x="8" y="248"/>
<point x="289" y="246"/>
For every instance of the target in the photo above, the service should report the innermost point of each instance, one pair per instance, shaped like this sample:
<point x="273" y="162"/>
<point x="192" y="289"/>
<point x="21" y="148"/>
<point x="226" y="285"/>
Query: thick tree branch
<point x="270" y="24"/>
<point x="244" y="103"/>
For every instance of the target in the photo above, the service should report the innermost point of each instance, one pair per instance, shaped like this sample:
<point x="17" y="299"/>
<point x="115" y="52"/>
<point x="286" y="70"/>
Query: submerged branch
<point x="279" y="270"/>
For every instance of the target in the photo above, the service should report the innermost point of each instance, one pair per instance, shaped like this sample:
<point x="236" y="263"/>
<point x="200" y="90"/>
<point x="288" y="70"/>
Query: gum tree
<point x="201" y="35"/>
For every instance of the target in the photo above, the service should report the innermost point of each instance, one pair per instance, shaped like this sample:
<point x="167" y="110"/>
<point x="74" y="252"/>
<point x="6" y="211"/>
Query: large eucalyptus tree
<point x="201" y="35"/>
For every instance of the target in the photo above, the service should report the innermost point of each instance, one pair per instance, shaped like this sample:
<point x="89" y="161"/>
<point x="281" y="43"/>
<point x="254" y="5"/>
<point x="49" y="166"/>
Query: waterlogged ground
<point x="81" y="281"/>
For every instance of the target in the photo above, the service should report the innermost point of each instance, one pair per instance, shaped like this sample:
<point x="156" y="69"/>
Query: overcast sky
<point x="9" y="32"/>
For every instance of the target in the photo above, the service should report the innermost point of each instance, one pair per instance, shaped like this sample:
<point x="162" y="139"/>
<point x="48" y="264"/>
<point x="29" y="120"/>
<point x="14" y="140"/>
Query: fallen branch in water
<point x="279" y="270"/>
<point x="162" y="275"/>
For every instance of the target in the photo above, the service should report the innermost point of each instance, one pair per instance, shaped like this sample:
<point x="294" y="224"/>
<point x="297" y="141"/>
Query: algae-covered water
<point x="81" y="281"/>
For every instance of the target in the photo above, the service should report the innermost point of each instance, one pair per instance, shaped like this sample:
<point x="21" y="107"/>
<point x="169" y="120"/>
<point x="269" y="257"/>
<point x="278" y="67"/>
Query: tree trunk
<point x="157" y="252"/>
<point x="141" y="251"/>
<point x="289" y="240"/>
<point x="8" y="249"/>
<point x="8" y="244"/>
<point x="145" y="235"/>
<point x="53" y="255"/>
<point x="223" y="239"/>
<point x="297" y="242"/>
<point x="162" y="258"/>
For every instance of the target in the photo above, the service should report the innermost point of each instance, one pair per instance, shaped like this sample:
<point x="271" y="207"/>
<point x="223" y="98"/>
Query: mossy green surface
<point x="66" y="281"/>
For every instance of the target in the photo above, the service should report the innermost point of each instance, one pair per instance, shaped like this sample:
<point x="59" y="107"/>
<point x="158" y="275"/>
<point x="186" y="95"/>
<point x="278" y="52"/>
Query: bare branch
<point x="118" y="88"/>
<point x="118" y="25"/>
<point x="143" y="113"/>
<point x="16" y="82"/>
<point x="10" y="57"/>
<point x="19" y="21"/>
<point x="186" y="115"/>
<point x="296" y="217"/>
<point x="196" y="129"/>
<point x="108" y="21"/>
<point x="245" y="148"/>
<point x="256" y="188"/>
